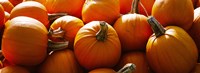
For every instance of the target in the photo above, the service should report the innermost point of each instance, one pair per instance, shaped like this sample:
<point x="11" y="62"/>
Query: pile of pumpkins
<point x="99" y="36"/>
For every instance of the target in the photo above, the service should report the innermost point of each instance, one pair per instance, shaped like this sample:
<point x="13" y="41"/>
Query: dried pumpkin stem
<point x="128" y="68"/>
<point x="157" y="28"/>
<point x="102" y="33"/>
<point x="134" y="7"/>
<point x="54" y="16"/>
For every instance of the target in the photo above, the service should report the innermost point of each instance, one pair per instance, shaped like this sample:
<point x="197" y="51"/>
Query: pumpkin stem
<point x="54" y="16"/>
<point x="157" y="28"/>
<point x="134" y="7"/>
<point x="102" y="33"/>
<point x="128" y="68"/>
<point x="56" y="40"/>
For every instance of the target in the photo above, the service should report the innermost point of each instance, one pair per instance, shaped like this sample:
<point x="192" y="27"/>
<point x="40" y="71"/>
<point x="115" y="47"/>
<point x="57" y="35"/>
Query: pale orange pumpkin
<point x="7" y="5"/>
<point x="133" y="30"/>
<point x="63" y="61"/>
<point x="170" y="49"/>
<point x="31" y="9"/>
<point x="174" y="12"/>
<point x="70" y="25"/>
<point x="97" y="45"/>
<point x="13" y="69"/>
<point x="28" y="38"/>
<point x="71" y="7"/>
<point x="101" y="10"/>
<point x="102" y="70"/>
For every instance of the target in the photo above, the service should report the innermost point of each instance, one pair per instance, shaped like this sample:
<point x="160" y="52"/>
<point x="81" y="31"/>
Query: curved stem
<point x="102" y="33"/>
<point x="134" y="7"/>
<point x="128" y="68"/>
<point x="54" y="16"/>
<point x="157" y="28"/>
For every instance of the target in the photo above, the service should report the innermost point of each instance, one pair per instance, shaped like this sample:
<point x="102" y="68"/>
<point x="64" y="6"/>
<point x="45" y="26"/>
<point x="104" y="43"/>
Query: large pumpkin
<point x="28" y="38"/>
<point x="174" y="12"/>
<point x="7" y="5"/>
<point x="70" y="25"/>
<point x="31" y="9"/>
<point x="137" y="58"/>
<point x="101" y="10"/>
<point x="170" y="49"/>
<point x="71" y="7"/>
<point x="97" y="45"/>
<point x="62" y="61"/>
<point x="14" y="69"/>
<point x="133" y="30"/>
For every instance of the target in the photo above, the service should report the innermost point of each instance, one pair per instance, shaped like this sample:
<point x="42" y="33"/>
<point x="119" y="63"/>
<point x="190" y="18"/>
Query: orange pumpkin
<point x="13" y="69"/>
<point x="70" y="25"/>
<point x="2" y="16"/>
<point x="101" y="10"/>
<point x="31" y="9"/>
<point x="16" y="2"/>
<point x="7" y="15"/>
<point x="196" y="68"/>
<point x="71" y="7"/>
<point x="137" y="58"/>
<point x="174" y="12"/>
<point x="133" y="30"/>
<point x="102" y="70"/>
<point x="40" y="1"/>
<point x="170" y="49"/>
<point x="7" y="5"/>
<point x="28" y="38"/>
<point x="97" y="45"/>
<point x="62" y="61"/>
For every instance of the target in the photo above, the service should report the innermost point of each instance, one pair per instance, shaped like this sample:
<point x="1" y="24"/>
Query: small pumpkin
<point x="31" y="9"/>
<point x="137" y="58"/>
<point x="133" y="30"/>
<point x="174" y="12"/>
<point x="102" y="70"/>
<point x="70" y="25"/>
<point x="7" y="5"/>
<point x="71" y="7"/>
<point x="14" y="69"/>
<point x="28" y="38"/>
<point x="97" y="45"/>
<point x="170" y="49"/>
<point x="101" y="10"/>
<point x="16" y="2"/>
<point x="62" y="61"/>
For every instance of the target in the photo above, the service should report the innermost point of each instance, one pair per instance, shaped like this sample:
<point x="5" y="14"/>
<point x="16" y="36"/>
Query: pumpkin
<point x="97" y="45"/>
<point x="31" y="9"/>
<point x="137" y="58"/>
<point x="65" y="6"/>
<point x="174" y="12"/>
<point x="196" y="68"/>
<point x="170" y="49"/>
<point x="16" y="2"/>
<point x="7" y="5"/>
<point x="194" y="31"/>
<point x="101" y="10"/>
<point x="28" y="38"/>
<point x="102" y="70"/>
<point x="2" y="16"/>
<point x="125" y="6"/>
<point x="14" y="69"/>
<point x="70" y="25"/>
<point x="133" y="30"/>
<point x="40" y="1"/>
<point x="7" y="15"/>
<point x="62" y="61"/>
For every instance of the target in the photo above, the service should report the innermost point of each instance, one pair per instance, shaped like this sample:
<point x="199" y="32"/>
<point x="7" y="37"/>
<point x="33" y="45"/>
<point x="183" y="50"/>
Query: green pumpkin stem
<point x="102" y="33"/>
<point x="128" y="68"/>
<point x="54" y="16"/>
<point x="134" y="7"/>
<point x="157" y="28"/>
<point x="56" y="40"/>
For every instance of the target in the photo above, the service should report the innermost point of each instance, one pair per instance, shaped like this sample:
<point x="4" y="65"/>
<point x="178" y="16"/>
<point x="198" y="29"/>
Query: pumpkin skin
<point x="7" y="15"/>
<point x="15" y="2"/>
<point x="14" y="69"/>
<point x="92" y="53"/>
<point x="62" y="61"/>
<point x="102" y="70"/>
<point x="70" y="25"/>
<point x="31" y="9"/>
<point x="2" y="16"/>
<point x="136" y="29"/>
<point x="65" y="6"/>
<point x="196" y="68"/>
<point x="7" y="5"/>
<point x="28" y="38"/>
<point x="137" y="58"/>
<point x="101" y="10"/>
<point x="166" y="53"/>
<point x="167" y="12"/>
